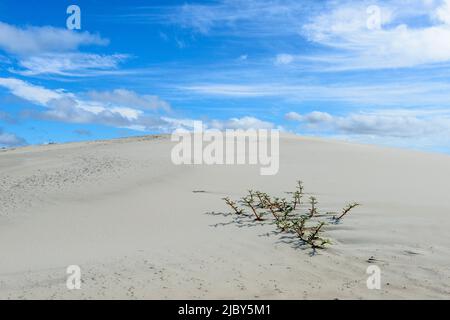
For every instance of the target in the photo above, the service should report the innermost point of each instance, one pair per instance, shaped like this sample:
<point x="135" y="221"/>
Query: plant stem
<point x="317" y="229"/>
<point x="232" y="204"/>
<point x="250" y="204"/>
<point x="347" y="210"/>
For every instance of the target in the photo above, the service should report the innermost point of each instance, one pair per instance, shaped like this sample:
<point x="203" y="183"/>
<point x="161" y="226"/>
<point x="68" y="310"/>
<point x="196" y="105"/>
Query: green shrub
<point x="290" y="216"/>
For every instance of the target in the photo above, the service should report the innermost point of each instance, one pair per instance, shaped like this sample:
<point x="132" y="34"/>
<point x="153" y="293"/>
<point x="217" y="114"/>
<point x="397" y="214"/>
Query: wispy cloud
<point x="10" y="139"/>
<point x="68" y="64"/>
<point x="54" y="51"/>
<point x="118" y="108"/>
<point x="38" y="40"/>
<point x="243" y="123"/>
<point x="391" y="34"/>
<point x="388" y="93"/>
<point x="69" y="107"/>
<point x="284" y="58"/>
<point x="35" y="94"/>
<point x="358" y="34"/>
<point x="129" y="98"/>
<point x="431" y="127"/>
<point x="252" y="18"/>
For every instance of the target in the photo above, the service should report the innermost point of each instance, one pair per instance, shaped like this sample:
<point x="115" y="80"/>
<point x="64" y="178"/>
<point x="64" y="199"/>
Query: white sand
<point x="130" y="219"/>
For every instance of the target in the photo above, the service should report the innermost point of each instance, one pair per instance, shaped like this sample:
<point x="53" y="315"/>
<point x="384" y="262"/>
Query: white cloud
<point x="442" y="13"/>
<point x="129" y="98"/>
<point x="38" y="40"/>
<point x="69" y="107"/>
<point x="400" y="123"/>
<point x="313" y="117"/>
<point x="10" y="140"/>
<point x="411" y="93"/>
<point x="77" y="111"/>
<point x="180" y="123"/>
<point x="254" y="18"/>
<point x="283" y="59"/>
<point x="68" y="64"/>
<point x="27" y="91"/>
<point x="54" y="51"/>
<point x="243" y="123"/>
<point x="293" y="116"/>
<point x="411" y="32"/>
<point x="235" y="90"/>
<point x="400" y="42"/>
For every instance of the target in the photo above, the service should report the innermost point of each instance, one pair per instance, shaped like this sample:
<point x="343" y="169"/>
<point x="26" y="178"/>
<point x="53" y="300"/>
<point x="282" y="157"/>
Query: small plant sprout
<point x="251" y="194"/>
<point x="289" y="216"/>
<point x="346" y="210"/>
<point x="296" y="200"/>
<point x="300" y="187"/>
<point x="298" y="195"/>
<point x="313" y="210"/>
<point x="233" y="205"/>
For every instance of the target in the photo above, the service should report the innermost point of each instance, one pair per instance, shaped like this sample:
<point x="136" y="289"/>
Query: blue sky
<point x="364" y="71"/>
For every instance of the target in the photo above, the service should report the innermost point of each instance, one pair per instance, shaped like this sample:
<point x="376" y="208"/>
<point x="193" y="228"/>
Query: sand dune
<point x="131" y="220"/>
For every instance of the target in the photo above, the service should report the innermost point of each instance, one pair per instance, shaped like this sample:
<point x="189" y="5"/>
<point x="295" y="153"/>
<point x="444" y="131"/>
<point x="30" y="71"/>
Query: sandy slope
<point x="129" y="217"/>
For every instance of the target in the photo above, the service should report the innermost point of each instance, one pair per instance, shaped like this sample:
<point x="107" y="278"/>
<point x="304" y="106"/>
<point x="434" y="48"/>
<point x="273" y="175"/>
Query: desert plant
<point x="288" y="216"/>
